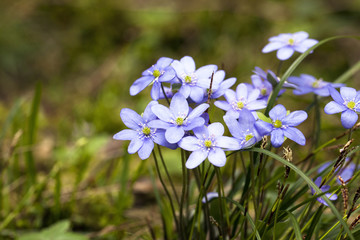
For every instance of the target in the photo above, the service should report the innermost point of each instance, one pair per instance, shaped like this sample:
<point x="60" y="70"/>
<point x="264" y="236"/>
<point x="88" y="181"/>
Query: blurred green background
<point x="87" y="53"/>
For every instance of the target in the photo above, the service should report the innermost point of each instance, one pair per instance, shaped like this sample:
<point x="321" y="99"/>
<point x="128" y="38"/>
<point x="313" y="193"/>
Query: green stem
<point x="163" y="90"/>
<point x="166" y="190"/>
<point x="168" y="175"/>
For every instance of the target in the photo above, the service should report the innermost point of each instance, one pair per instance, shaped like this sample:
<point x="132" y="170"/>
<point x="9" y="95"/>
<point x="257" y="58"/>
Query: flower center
<point x="291" y="41"/>
<point x="156" y="73"/>
<point x="263" y="91"/>
<point x="146" y="131"/>
<point x="207" y="143"/>
<point x="240" y="105"/>
<point x="316" y="84"/>
<point x="248" y="137"/>
<point x="179" y="121"/>
<point x="351" y="104"/>
<point x="277" y="124"/>
<point x="187" y="79"/>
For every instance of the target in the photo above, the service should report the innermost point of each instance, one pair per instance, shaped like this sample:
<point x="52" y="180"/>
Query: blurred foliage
<point x="87" y="53"/>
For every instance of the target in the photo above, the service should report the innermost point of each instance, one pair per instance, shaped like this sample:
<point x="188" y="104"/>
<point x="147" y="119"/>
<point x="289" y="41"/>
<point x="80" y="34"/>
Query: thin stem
<point x="166" y="190"/>
<point x="168" y="175"/>
<point x="220" y="188"/>
<point x="183" y="192"/>
<point x="163" y="90"/>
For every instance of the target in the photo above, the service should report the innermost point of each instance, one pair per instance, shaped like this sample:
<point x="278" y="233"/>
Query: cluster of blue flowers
<point x="179" y="125"/>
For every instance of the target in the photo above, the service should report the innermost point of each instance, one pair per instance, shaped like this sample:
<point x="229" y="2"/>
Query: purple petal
<point x="277" y="112"/>
<point x="210" y="196"/>
<point x="234" y="113"/>
<point x="140" y="84"/>
<point x="217" y="157"/>
<point x="335" y="95"/>
<point x="178" y="67"/>
<point x="216" y="129"/>
<point x="174" y="134"/>
<point x="253" y="95"/>
<point x="163" y="62"/>
<point x="334" y="107"/>
<point x="185" y="90"/>
<point x="159" y="124"/>
<point x="223" y="105"/>
<point x="196" y="158"/>
<point x="295" y="118"/>
<point x="272" y="46"/>
<point x="331" y="196"/>
<point x="228" y="143"/>
<point x="155" y="91"/>
<point x="179" y="105"/>
<point x="201" y="132"/>
<point x="230" y="96"/>
<point x="135" y="145"/>
<point x="305" y="45"/>
<point x="148" y="115"/>
<point x="131" y="119"/>
<point x="204" y="83"/>
<point x="126" y="134"/>
<point x="146" y="149"/>
<point x="323" y="167"/>
<point x="256" y="105"/>
<point x="284" y="53"/>
<point x="264" y="128"/>
<point x="233" y="126"/>
<point x="194" y="123"/>
<point x="197" y="94"/>
<point x="198" y="111"/>
<point x="159" y="138"/>
<point x="300" y="36"/>
<point x="162" y="112"/>
<point x="219" y="76"/>
<point x="348" y="93"/>
<point x="277" y="137"/>
<point x="295" y="134"/>
<point x="189" y="64"/>
<point x="348" y="118"/>
<point x="241" y="91"/>
<point x="168" y="75"/>
<point x="189" y="143"/>
<point x="205" y="71"/>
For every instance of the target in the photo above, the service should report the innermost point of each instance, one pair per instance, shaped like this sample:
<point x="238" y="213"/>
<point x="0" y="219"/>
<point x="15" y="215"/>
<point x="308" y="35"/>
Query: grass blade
<point x="295" y="225"/>
<point x="309" y="182"/>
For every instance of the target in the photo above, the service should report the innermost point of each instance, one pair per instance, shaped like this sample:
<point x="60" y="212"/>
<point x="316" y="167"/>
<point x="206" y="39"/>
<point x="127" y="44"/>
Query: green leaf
<point x="295" y="225"/>
<point x="309" y="182"/>
<point x="263" y="117"/>
<point x="253" y="226"/>
<point x="57" y="231"/>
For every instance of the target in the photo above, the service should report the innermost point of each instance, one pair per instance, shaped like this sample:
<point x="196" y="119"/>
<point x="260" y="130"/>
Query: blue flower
<point x="347" y="102"/>
<point x="141" y="135"/>
<point x="243" y="129"/>
<point x="208" y="142"/>
<point x="241" y="100"/>
<point x="191" y="78"/>
<point x="287" y="43"/>
<point x="219" y="85"/>
<point x="260" y="80"/>
<point x="307" y="83"/>
<point x="346" y="173"/>
<point x="178" y="118"/>
<point x="158" y="73"/>
<point x="324" y="188"/>
<point x="282" y="125"/>
<point x="210" y="196"/>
